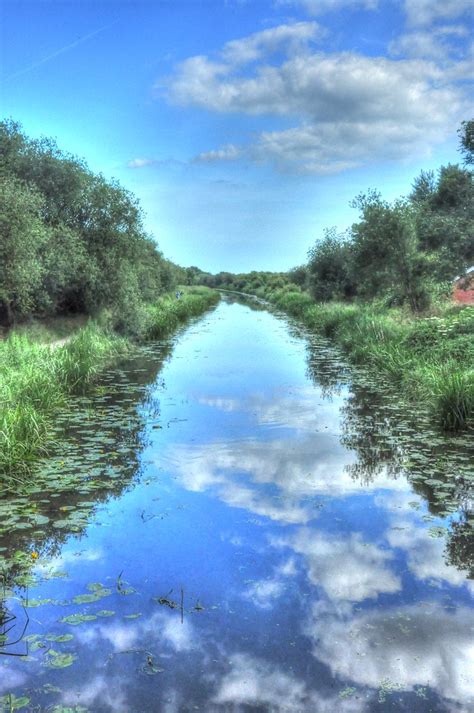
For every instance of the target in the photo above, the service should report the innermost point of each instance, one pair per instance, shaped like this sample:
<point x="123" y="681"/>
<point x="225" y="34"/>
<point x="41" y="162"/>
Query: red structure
<point x="463" y="288"/>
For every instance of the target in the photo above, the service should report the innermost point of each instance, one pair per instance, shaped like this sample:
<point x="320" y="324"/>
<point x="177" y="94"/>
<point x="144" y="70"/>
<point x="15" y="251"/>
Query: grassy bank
<point x="430" y="358"/>
<point x="165" y="315"/>
<point x="37" y="377"/>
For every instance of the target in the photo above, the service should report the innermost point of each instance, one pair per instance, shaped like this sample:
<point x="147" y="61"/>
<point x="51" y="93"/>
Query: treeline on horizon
<point x="404" y="252"/>
<point x="71" y="240"/>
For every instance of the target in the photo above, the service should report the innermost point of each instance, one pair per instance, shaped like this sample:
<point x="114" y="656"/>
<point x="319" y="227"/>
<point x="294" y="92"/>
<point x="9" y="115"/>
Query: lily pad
<point x="76" y="619"/>
<point x="57" y="660"/>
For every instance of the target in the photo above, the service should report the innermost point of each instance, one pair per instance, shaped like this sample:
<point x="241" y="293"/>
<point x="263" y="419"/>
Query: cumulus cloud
<point x="347" y="568"/>
<point x="240" y="472"/>
<point x="264" y="592"/>
<point x="144" y="162"/>
<point x="252" y="681"/>
<point x="229" y="152"/>
<point x="286" y="38"/>
<point x="140" y="162"/>
<point x="165" y="628"/>
<point x="321" y="7"/>
<point x="409" y="646"/>
<point x="101" y="692"/>
<point x="11" y="679"/>
<point x="69" y="558"/>
<point x="304" y="409"/>
<point x="347" y="108"/>
<point x="425" y="554"/>
<point x="425" y="12"/>
<point x="437" y="43"/>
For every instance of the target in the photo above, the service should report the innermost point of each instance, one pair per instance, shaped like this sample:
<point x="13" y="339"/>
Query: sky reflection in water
<point x="313" y="573"/>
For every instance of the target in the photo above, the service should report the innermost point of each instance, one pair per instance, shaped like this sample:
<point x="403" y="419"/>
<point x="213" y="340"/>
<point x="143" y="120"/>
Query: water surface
<point x="237" y="521"/>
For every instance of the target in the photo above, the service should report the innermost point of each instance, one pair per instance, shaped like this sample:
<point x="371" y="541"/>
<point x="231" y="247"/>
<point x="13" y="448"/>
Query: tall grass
<point x="431" y="358"/>
<point x="164" y="316"/>
<point x="35" y="378"/>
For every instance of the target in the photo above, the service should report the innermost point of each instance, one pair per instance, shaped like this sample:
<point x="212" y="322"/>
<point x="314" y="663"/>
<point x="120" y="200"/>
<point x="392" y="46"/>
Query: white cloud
<point x="287" y="38"/>
<point x="303" y="409"/>
<point x="258" y="683"/>
<point x="347" y="568"/>
<point x="144" y="162"/>
<point x="140" y="162"/>
<point x="264" y="592"/>
<point x="409" y="646"/>
<point x="425" y="12"/>
<point x="321" y="7"/>
<point x="436" y="43"/>
<point x="347" y="108"/>
<point x="166" y="628"/>
<point x="69" y="558"/>
<point x="229" y="152"/>
<point x="426" y="558"/>
<point x="237" y="472"/>
<point x="101" y="692"/>
<point x="425" y="554"/>
<point x="11" y="679"/>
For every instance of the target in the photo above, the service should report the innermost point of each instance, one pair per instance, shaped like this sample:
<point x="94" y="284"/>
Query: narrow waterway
<point x="237" y="521"/>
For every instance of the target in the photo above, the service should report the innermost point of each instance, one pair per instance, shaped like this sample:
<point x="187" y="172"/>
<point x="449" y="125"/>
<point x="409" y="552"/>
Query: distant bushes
<point x="363" y="288"/>
<point x="71" y="241"/>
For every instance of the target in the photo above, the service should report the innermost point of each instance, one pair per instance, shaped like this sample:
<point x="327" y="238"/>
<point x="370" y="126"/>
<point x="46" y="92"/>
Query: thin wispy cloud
<point x="57" y="53"/>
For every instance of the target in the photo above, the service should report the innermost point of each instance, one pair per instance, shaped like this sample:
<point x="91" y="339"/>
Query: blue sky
<point x="244" y="127"/>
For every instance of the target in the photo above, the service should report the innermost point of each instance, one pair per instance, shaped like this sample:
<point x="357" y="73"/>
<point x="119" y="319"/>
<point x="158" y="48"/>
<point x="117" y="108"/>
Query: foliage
<point x="329" y="267"/>
<point x="72" y="242"/>
<point x="466" y="134"/>
<point x="385" y="253"/>
<point x="35" y="380"/>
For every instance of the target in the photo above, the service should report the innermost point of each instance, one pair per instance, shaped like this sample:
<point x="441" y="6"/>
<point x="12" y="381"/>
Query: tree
<point x="299" y="275"/>
<point x="423" y="187"/>
<point x="329" y="267"/>
<point x="445" y="222"/>
<point x="466" y="134"/>
<point x="71" y="240"/>
<point x="387" y="259"/>
<point x="23" y="236"/>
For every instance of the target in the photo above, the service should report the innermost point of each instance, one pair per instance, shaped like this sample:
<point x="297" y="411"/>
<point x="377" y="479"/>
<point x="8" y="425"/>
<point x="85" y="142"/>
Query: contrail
<point x="57" y="53"/>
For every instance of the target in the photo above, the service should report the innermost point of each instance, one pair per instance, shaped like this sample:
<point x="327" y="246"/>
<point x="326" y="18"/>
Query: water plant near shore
<point x="36" y="377"/>
<point x="430" y="358"/>
<point x="168" y="312"/>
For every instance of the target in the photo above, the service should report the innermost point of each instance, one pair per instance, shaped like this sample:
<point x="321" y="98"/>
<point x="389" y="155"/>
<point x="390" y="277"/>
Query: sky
<point x="244" y="127"/>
